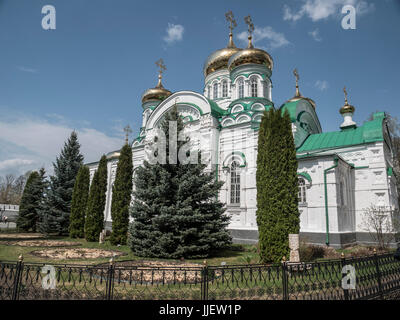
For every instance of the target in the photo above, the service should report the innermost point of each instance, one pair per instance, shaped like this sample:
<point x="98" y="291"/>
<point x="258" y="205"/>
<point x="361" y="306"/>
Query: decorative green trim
<point x="233" y="153"/>
<point x="249" y="74"/>
<point x="306" y="176"/>
<point x="390" y="171"/>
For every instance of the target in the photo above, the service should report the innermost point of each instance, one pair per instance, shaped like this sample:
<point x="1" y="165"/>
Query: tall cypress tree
<point x="32" y="196"/>
<point x="94" y="222"/>
<point x="79" y="203"/>
<point x="121" y="196"/>
<point x="175" y="211"/>
<point x="56" y="209"/>
<point x="277" y="186"/>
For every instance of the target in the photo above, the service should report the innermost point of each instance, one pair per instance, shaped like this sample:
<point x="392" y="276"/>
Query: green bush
<point x="311" y="252"/>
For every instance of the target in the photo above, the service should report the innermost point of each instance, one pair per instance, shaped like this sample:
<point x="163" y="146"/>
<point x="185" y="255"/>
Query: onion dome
<point x="347" y="112"/>
<point x="158" y="93"/>
<point x="251" y="55"/>
<point x="219" y="59"/>
<point x="347" y="108"/>
<point x="298" y="95"/>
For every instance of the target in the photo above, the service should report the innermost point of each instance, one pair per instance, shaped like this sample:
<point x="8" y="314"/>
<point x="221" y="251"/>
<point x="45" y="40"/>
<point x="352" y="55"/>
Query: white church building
<point x="340" y="173"/>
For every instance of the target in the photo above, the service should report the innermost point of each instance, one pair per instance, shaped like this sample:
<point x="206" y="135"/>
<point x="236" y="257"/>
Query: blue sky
<point x="90" y="73"/>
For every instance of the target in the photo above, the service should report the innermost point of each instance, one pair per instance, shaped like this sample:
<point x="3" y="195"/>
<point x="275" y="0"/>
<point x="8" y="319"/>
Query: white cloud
<point x="274" y="39"/>
<point x="174" y="33"/>
<point x="26" y="69"/>
<point x="322" y="9"/>
<point x="12" y="163"/>
<point x="29" y="143"/>
<point x="321" y="85"/>
<point x="315" y="35"/>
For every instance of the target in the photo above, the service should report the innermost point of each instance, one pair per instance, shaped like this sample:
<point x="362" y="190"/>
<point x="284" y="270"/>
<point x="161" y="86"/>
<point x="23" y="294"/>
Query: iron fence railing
<point x="375" y="277"/>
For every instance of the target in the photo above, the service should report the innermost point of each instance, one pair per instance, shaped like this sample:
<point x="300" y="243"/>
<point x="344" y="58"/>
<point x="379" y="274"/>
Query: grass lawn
<point x="236" y="254"/>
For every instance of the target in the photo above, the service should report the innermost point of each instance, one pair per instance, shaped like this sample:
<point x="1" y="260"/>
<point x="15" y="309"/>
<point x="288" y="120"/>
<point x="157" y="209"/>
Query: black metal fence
<point x="374" y="277"/>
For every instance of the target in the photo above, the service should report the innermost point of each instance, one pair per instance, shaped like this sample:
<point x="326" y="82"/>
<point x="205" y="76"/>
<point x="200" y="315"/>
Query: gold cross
<point x="249" y="22"/>
<point x="127" y="130"/>
<point x="296" y="74"/>
<point x="345" y="95"/>
<point x="161" y="65"/>
<point x="231" y="20"/>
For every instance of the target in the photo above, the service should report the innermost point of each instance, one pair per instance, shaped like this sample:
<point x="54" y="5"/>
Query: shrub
<point x="311" y="252"/>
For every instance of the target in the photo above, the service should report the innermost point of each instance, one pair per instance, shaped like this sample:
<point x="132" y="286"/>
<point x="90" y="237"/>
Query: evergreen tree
<point x="175" y="210"/>
<point x="56" y="209"/>
<point x="79" y="203"/>
<point x="94" y="222"/>
<point x="121" y="196"/>
<point x="28" y="215"/>
<point x="277" y="186"/>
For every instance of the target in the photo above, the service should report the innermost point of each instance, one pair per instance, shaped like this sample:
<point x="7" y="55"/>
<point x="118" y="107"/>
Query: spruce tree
<point x="121" y="196"/>
<point x="277" y="186"/>
<point x="175" y="210"/>
<point x="56" y="209"/>
<point x="94" y="222"/>
<point x="79" y="203"/>
<point x="28" y="215"/>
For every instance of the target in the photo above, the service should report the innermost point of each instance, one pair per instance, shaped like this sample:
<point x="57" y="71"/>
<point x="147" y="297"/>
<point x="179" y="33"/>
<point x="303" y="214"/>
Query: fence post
<point x="204" y="281"/>
<point x="17" y="278"/>
<point x="378" y="274"/>
<point x="345" y="291"/>
<point x="285" y="293"/>
<point x="110" y="280"/>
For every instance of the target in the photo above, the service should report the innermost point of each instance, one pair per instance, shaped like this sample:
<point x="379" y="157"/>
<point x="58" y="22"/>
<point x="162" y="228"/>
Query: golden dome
<point x="311" y="101"/>
<point x="219" y="59"/>
<point x="347" y="108"/>
<point x="251" y="55"/>
<point x="298" y="95"/>
<point x="158" y="93"/>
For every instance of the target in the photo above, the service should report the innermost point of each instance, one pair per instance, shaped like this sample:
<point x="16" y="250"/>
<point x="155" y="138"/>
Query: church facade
<point x="341" y="173"/>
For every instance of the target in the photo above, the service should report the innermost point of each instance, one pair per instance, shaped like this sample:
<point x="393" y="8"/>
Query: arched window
<point x="254" y="88"/>
<point x="302" y="191"/>
<point x="224" y="88"/>
<point x="209" y="92"/>
<point x="215" y="87"/>
<point x="235" y="183"/>
<point x="241" y="88"/>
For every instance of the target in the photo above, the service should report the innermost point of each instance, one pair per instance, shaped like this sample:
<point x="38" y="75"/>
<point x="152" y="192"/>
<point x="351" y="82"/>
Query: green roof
<point x="371" y="131"/>
<point x="215" y="109"/>
<point x="291" y="109"/>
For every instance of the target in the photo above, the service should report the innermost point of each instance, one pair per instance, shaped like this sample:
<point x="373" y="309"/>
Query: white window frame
<point x="302" y="192"/>
<point x="224" y="89"/>
<point x="215" y="90"/>
<point x="240" y="88"/>
<point x="234" y="183"/>
<point x="254" y="87"/>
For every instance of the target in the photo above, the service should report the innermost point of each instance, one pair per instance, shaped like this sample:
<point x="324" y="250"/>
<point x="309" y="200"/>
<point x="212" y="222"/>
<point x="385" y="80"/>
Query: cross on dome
<point x="231" y="20"/>
<point x="127" y="131"/>
<point x="250" y="24"/>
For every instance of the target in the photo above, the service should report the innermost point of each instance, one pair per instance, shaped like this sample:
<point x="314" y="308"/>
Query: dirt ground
<point x="75" y="253"/>
<point x="20" y="235"/>
<point x="42" y="243"/>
